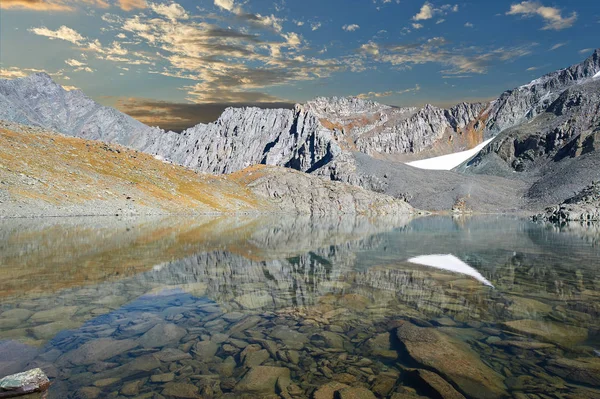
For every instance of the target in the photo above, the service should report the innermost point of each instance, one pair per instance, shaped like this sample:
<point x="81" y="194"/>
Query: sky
<point x="177" y="63"/>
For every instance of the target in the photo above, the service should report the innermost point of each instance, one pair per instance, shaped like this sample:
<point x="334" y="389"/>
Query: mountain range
<point x="545" y="139"/>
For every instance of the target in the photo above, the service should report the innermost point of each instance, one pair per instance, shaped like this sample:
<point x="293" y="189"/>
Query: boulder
<point x="262" y="379"/>
<point x="453" y="359"/>
<point x="433" y="383"/>
<point x="328" y="390"/>
<point x="549" y="331"/>
<point x="180" y="390"/>
<point x="99" y="349"/>
<point x="355" y="393"/>
<point x="162" y="335"/>
<point x="584" y="370"/>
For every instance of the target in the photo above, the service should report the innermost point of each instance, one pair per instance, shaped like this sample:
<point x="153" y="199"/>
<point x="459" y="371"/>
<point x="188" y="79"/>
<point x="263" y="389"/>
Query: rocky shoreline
<point x="582" y="207"/>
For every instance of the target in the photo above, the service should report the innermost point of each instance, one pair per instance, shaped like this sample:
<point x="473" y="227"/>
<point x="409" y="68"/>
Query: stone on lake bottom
<point x="180" y="390"/>
<point x="262" y="379"/>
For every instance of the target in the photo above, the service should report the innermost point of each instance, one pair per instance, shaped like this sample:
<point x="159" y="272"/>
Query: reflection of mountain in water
<point x="256" y="265"/>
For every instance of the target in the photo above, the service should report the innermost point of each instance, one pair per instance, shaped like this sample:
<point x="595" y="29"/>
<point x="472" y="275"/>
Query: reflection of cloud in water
<point x="451" y="263"/>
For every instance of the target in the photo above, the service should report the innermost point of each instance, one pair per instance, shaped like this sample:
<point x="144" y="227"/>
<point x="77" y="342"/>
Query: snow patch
<point x="450" y="161"/>
<point x="596" y="75"/>
<point x="451" y="263"/>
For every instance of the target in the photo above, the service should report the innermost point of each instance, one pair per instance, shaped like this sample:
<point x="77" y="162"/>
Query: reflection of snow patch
<point x="450" y="161"/>
<point x="450" y="263"/>
<point x="597" y="75"/>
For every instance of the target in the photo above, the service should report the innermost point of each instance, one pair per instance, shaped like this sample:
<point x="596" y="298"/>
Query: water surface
<point x="483" y="307"/>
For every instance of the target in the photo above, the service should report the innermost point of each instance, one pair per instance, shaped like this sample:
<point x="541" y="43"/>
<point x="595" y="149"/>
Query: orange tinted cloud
<point x="129" y="5"/>
<point x="38" y="5"/>
<point x="68" y="5"/>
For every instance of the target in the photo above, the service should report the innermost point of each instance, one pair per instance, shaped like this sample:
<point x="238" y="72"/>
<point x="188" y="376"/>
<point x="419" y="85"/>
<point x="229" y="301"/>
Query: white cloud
<point x="314" y="26"/>
<point x="586" y="51"/>
<point x="458" y="60"/>
<point x="373" y="94"/>
<point x="468" y="25"/>
<point x="557" y="46"/>
<point x="228" y="5"/>
<point x="552" y="16"/>
<point x="428" y="11"/>
<point x="75" y="63"/>
<point x="172" y="11"/>
<point x="425" y="13"/>
<point x="62" y="33"/>
<point x="350" y="28"/>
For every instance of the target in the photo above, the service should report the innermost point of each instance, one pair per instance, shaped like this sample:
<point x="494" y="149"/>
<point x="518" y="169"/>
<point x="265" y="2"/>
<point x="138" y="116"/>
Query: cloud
<point x="128" y="5"/>
<point x="315" y="26"/>
<point x="62" y="33"/>
<point x="350" y="28"/>
<point x="172" y="11"/>
<point x="586" y="51"/>
<point x="530" y="69"/>
<point x="36" y="5"/>
<point x="417" y="26"/>
<point x="458" y="60"/>
<point x="180" y="116"/>
<point x="552" y="16"/>
<point x="557" y="46"/>
<point x="14" y="72"/>
<point x="468" y="25"/>
<point x="70" y="88"/>
<point x="75" y="63"/>
<point x="68" y="5"/>
<point x="425" y="13"/>
<point x="228" y="5"/>
<point x="390" y="93"/>
<point x="428" y="11"/>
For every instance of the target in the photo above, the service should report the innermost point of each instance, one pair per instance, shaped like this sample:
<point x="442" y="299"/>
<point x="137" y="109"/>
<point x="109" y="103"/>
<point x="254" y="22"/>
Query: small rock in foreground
<point x="23" y="383"/>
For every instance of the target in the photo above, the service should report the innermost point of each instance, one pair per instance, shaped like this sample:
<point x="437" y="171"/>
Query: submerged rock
<point x="99" y="349"/>
<point x="437" y="384"/>
<point x="262" y="379"/>
<point x="586" y="370"/>
<point x="23" y="383"/>
<point x="162" y="335"/>
<point x="549" y="331"/>
<point x="453" y="359"/>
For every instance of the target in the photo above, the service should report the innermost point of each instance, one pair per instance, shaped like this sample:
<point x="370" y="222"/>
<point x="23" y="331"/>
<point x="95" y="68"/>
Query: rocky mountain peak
<point x="344" y="106"/>
<point x="525" y="102"/>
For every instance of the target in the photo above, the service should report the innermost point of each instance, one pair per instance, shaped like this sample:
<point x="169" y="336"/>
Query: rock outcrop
<point x="582" y="207"/>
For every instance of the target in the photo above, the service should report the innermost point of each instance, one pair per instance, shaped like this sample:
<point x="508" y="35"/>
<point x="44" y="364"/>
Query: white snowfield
<point x="597" y="75"/>
<point x="450" y="161"/>
<point x="451" y="263"/>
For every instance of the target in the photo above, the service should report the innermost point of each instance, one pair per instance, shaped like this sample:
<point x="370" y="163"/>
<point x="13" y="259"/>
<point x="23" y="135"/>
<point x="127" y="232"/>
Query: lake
<point x="281" y="307"/>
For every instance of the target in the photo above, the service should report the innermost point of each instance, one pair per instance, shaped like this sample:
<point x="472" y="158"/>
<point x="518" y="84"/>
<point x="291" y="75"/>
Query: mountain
<point x="555" y="151"/>
<point x="37" y="100"/>
<point x="43" y="173"/>
<point x="358" y="141"/>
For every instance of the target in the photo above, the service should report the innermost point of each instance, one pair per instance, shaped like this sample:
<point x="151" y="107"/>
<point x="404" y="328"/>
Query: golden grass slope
<point x="41" y="168"/>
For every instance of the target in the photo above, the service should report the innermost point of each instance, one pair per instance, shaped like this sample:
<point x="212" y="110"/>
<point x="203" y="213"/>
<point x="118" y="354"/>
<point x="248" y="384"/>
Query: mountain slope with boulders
<point x="43" y="173"/>
<point x="555" y="152"/>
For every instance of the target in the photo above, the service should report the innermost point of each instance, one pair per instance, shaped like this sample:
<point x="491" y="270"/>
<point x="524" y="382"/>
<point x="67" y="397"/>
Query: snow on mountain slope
<point x="450" y="161"/>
